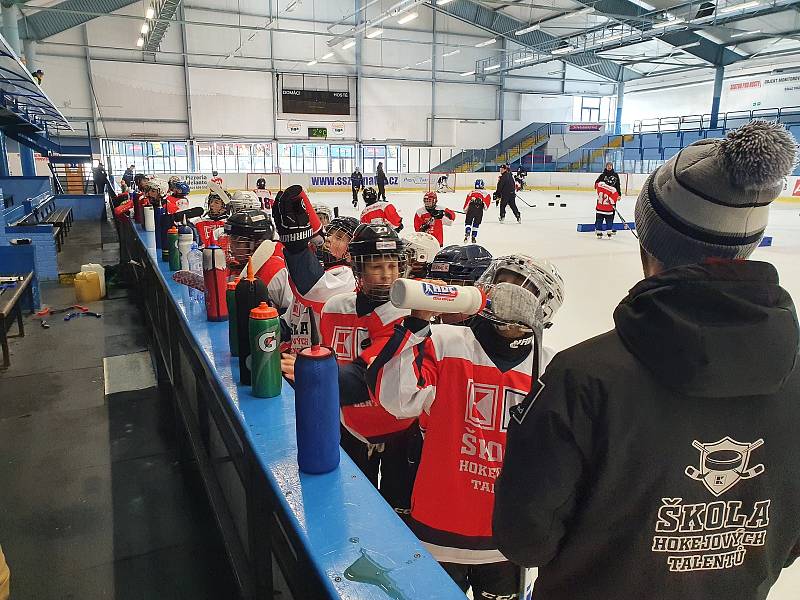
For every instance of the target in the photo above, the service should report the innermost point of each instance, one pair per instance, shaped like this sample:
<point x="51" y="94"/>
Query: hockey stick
<point x="523" y="201"/>
<point x="625" y="223"/>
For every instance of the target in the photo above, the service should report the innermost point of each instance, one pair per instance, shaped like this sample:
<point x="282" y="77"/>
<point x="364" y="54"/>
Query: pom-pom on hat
<point x="712" y="198"/>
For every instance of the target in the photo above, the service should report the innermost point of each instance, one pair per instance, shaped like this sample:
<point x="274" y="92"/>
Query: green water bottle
<point x="172" y="246"/>
<point x="230" y="300"/>
<point x="265" y="354"/>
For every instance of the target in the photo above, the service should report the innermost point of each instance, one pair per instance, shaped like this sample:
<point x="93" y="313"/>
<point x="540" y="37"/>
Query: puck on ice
<point x="563" y="205"/>
<point x="551" y="204"/>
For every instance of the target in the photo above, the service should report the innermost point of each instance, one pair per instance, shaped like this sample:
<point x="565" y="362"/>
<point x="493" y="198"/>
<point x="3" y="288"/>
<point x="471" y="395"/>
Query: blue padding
<point x="25" y="187"/>
<point x="20" y="260"/>
<point x="587" y="227"/>
<point x="327" y="511"/>
<point x="85" y="207"/>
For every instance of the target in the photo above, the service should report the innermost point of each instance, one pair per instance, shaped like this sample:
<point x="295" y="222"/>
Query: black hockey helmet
<point x="346" y="224"/>
<point x="261" y="183"/>
<point x="375" y="241"/>
<point x="370" y="195"/>
<point x="461" y="265"/>
<point x="251" y="223"/>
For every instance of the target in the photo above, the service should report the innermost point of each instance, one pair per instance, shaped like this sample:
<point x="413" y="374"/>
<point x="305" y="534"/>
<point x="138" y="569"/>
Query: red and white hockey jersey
<point x="381" y="212"/>
<point x="444" y="372"/>
<point x="424" y="221"/>
<point x="206" y="228"/>
<point x="270" y="267"/>
<point x="607" y="197"/>
<point x="353" y="336"/>
<point x="176" y="204"/>
<point x="266" y="198"/>
<point x="480" y="198"/>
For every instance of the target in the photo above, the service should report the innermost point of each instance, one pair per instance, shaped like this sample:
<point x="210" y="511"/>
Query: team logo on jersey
<point x="347" y="342"/>
<point x="440" y="292"/>
<point x="521" y="410"/>
<point x="481" y="404"/>
<point x="511" y="399"/>
<point x="724" y="463"/>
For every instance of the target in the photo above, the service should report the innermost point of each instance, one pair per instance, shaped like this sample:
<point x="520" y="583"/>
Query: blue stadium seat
<point x="670" y="152"/>
<point x="689" y="137"/>
<point x="651" y="140"/>
<point x="790" y="118"/>
<point x="736" y="122"/>
<point x="671" y="139"/>
<point x="636" y="142"/>
<point x="714" y="133"/>
<point x="651" y="153"/>
<point x="632" y="153"/>
<point x="795" y="131"/>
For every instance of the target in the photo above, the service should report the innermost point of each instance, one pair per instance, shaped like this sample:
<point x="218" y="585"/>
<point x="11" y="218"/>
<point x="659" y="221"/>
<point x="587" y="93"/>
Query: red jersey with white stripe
<point x="353" y="336"/>
<point x="206" y="229"/>
<point x="381" y="212"/>
<point x="424" y="221"/>
<point x="266" y="198"/>
<point x="607" y="197"/>
<point x="478" y="198"/>
<point x="270" y="267"/>
<point x="444" y="372"/>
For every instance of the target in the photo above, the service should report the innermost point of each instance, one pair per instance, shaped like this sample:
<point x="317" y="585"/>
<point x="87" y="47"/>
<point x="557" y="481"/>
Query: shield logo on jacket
<point x="724" y="463"/>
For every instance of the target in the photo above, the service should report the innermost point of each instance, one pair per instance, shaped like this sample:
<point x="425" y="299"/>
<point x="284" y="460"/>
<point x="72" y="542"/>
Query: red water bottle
<point x="138" y="213"/>
<point x="215" y="275"/>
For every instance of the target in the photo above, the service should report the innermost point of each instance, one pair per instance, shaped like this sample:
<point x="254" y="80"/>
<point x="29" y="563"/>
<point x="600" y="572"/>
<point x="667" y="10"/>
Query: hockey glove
<point x="295" y="219"/>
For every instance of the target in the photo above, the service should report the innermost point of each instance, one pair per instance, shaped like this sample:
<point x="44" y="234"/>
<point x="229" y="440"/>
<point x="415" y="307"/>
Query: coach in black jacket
<point x="507" y="192"/>
<point x="661" y="460"/>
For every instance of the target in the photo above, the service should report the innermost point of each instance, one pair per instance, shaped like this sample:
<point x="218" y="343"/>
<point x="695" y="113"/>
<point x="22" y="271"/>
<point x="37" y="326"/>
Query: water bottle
<point x="195" y="262"/>
<point x="185" y="241"/>
<point x="316" y="398"/>
<point x="137" y="208"/>
<point x="165" y="225"/>
<point x="158" y="212"/>
<point x="215" y="274"/>
<point x="265" y="357"/>
<point x="230" y="301"/>
<point x="173" y="252"/>
<point x="250" y="292"/>
<point x="422" y="295"/>
<point x="149" y="218"/>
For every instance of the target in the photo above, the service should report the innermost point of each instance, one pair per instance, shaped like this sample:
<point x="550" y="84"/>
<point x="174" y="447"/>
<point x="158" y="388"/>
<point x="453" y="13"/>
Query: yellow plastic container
<point x="87" y="287"/>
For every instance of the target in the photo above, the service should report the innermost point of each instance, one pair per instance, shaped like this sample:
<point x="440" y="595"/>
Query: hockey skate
<point x="599" y="235"/>
<point x="519" y="220"/>
<point x="501" y="219"/>
<point x="474" y="239"/>
<point x="465" y="238"/>
<point x="611" y="233"/>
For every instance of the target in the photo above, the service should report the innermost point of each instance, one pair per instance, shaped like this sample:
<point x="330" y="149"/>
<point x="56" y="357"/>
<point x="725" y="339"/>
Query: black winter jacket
<point x="381" y="178"/>
<point x="357" y="180"/>
<point x="661" y="460"/>
<point x="506" y="188"/>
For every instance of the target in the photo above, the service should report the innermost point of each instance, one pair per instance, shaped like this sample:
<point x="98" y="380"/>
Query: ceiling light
<point x="468" y="73"/>
<point x="451" y="53"/>
<point x="492" y="67"/>
<point x="327" y="56"/>
<point x="564" y="50"/>
<point x="524" y="58"/>
<point x="311" y="63"/>
<point x="744" y="33"/>
<point x="528" y="29"/>
<point x="145" y="28"/>
<point x="442" y="2"/>
<point x="374" y="33"/>
<point x="734" y="7"/>
<point x="349" y="45"/>
<point x="150" y="13"/>
<point x="486" y="43"/>
<point x="409" y="17"/>
<point x="577" y="13"/>
<point x="140" y="42"/>
<point x="668" y="23"/>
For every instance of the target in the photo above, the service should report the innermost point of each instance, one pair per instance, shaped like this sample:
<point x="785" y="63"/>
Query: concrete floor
<point x="95" y="503"/>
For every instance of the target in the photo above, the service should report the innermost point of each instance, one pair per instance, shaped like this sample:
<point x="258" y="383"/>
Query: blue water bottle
<point x="316" y="401"/>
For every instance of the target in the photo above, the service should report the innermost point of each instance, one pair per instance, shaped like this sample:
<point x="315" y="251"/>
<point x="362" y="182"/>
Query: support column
<point x="501" y="111"/>
<point x="719" y="75"/>
<point x="433" y="78"/>
<point x="187" y="86"/>
<point x="27" y="160"/>
<point x="359" y="44"/>
<point x="620" y="98"/>
<point x="3" y="156"/>
<point x="31" y="58"/>
<point x="11" y="16"/>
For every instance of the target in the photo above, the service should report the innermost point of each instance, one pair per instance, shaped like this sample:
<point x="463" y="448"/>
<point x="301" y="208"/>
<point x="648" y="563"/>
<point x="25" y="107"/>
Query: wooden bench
<point x="10" y="307"/>
<point x="61" y="217"/>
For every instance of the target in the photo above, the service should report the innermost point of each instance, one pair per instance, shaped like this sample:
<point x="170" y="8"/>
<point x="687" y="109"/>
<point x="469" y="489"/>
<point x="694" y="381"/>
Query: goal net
<point x="273" y="181"/>
<point x="441" y="183"/>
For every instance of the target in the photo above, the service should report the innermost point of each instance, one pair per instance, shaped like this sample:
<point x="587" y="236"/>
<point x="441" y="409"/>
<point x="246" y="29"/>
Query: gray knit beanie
<point x="712" y="198"/>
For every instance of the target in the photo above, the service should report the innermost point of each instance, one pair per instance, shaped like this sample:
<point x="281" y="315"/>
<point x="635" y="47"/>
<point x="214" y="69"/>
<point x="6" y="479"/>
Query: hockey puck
<point x="551" y="204"/>
<point x="723" y="460"/>
<point x="563" y="205"/>
<point x="558" y="195"/>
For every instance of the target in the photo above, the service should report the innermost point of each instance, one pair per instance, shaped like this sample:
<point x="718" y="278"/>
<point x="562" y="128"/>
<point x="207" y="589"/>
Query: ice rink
<point x="597" y="273"/>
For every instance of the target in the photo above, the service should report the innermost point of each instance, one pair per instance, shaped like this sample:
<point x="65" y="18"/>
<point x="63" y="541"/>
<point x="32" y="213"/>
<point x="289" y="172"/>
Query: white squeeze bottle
<point x="195" y="264"/>
<point x="422" y="295"/>
<point x="185" y="242"/>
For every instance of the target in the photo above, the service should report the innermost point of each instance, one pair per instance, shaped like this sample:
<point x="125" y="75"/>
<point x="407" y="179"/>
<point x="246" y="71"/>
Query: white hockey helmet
<point x="159" y="185"/>
<point x="323" y="210"/>
<point x="421" y="248"/>
<point x="535" y="307"/>
<point x="244" y="199"/>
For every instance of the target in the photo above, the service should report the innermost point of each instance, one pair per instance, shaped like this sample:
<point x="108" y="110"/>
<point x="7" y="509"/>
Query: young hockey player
<point x="519" y="178"/>
<point x="357" y="184"/>
<point x="249" y="236"/>
<point x="263" y="193"/>
<point x="421" y="248"/>
<point x="459" y="265"/>
<point x="324" y="214"/>
<point x="607" y="197"/>
<point x="478" y="201"/>
<point x="443" y="184"/>
<point x="379" y="212"/>
<point x="217" y="210"/>
<point x="465" y="380"/>
<point x="244" y="200"/>
<point x="178" y="198"/>
<point x="430" y="219"/>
